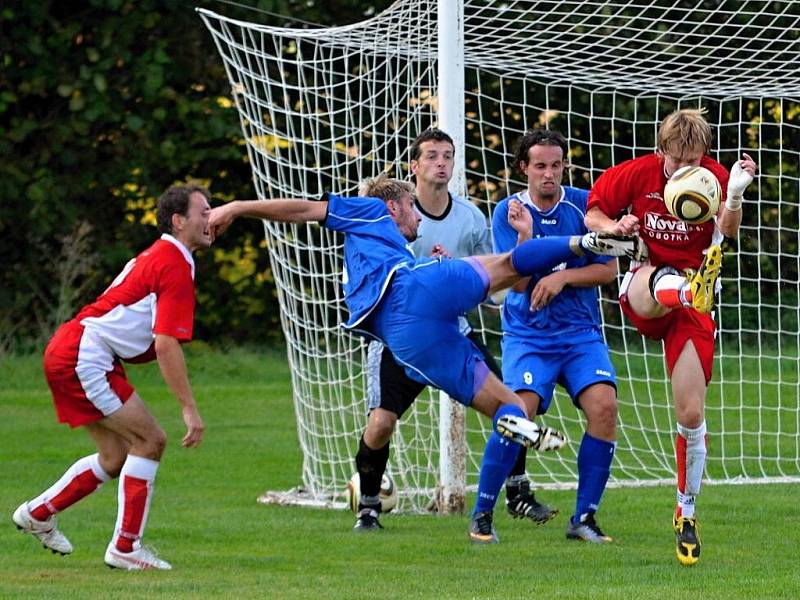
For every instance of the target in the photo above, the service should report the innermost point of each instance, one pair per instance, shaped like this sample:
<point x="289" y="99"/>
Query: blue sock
<point x="499" y="457"/>
<point x="594" y="467"/>
<point x="540" y="254"/>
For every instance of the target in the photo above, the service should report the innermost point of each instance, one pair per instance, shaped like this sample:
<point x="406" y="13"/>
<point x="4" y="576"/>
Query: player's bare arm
<point x="173" y="370"/>
<point x="283" y="210"/>
<point x="549" y="287"/>
<point x="597" y="220"/>
<point x="730" y="214"/>
<point x="521" y="221"/>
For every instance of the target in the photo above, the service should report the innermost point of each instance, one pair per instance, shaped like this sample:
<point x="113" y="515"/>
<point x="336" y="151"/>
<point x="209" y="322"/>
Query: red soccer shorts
<point x="676" y="328"/>
<point x="73" y="404"/>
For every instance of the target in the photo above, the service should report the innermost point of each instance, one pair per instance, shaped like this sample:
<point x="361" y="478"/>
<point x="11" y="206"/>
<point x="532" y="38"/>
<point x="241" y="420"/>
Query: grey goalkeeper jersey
<point x="462" y="230"/>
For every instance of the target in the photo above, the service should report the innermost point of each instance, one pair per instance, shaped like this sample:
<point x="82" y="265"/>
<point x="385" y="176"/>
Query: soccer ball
<point x="692" y="194"/>
<point x="387" y="494"/>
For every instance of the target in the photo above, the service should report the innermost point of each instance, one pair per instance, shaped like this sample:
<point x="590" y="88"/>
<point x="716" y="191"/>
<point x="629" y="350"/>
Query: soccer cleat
<point x="523" y="505"/>
<point x="481" y="530"/>
<point x="605" y="243"/>
<point x="45" y="531"/>
<point x="687" y="540"/>
<point x="367" y="520"/>
<point x="703" y="282"/>
<point x="527" y="433"/>
<point x="587" y="530"/>
<point x="139" y="560"/>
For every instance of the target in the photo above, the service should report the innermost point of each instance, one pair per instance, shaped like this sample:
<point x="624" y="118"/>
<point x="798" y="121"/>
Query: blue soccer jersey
<point x="374" y="249"/>
<point x="573" y="314"/>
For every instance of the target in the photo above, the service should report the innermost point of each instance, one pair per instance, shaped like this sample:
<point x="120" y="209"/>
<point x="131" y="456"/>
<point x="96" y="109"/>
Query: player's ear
<point x="177" y="222"/>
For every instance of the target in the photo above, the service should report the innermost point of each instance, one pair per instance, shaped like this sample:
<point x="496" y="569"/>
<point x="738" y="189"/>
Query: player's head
<point x="399" y="198"/>
<point x="183" y="213"/>
<point x="432" y="157"/>
<point x="541" y="156"/>
<point x="684" y="137"/>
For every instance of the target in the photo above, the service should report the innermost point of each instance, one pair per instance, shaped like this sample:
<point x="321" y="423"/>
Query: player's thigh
<point x="689" y="387"/>
<point x="637" y="292"/>
<point x="134" y="423"/>
<point x="442" y="289"/>
<point x="585" y="365"/>
<point x="526" y="368"/>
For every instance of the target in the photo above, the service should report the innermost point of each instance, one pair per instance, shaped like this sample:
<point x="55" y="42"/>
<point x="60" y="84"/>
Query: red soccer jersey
<point x="154" y="294"/>
<point x="637" y="185"/>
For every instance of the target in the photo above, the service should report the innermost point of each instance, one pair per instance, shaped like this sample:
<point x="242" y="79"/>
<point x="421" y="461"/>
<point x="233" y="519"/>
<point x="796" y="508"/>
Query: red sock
<point x="80" y="480"/>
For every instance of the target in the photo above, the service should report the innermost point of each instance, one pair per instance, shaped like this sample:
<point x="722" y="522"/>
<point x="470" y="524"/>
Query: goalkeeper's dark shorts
<point x="390" y="388"/>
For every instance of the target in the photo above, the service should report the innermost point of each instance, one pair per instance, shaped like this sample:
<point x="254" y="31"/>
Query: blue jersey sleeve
<point x="354" y="215"/>
<point x="503" y="234"/>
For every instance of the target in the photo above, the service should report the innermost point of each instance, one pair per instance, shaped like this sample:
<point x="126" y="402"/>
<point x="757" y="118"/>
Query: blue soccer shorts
<point x="418" y="320"/>
<point x="575" y="366"/>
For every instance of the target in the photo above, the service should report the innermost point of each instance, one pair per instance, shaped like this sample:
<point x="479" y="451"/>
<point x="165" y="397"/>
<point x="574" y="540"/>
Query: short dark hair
<point x="538" y="137"/>
<point x="175" y="200"/>
<point x="431" y="134"/>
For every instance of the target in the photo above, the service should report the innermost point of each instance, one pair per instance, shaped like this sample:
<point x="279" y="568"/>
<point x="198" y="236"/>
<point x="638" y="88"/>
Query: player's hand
<point x="194" y="427"/>
<point x="520" y="218"/>
<point x="627" y="225"/>
<point x="742" y="173"/>
<point x="220" y="219"/>
<point x="546" y="289"/>
<point x="439" y="250"/>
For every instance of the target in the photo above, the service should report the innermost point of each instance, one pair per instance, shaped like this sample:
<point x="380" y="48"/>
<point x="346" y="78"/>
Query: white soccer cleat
<point x="45" y="531"/>
<point x="605" y="243"/>
<point x="527" y="433"/>
<point x="139" y="560"/>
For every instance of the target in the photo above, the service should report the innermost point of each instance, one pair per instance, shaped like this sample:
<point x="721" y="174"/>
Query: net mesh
<point x="322" y="109"/>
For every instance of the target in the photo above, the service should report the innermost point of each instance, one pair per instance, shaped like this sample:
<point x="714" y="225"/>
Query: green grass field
<point x="206" y="522"/>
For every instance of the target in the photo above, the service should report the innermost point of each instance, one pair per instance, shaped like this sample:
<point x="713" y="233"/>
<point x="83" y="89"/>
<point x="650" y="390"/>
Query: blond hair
<point x="684" y="129"/>
<point x="384" y="188"/>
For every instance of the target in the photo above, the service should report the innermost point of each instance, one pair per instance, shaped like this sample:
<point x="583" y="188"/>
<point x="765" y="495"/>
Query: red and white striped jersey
<point x="154" y="294"/>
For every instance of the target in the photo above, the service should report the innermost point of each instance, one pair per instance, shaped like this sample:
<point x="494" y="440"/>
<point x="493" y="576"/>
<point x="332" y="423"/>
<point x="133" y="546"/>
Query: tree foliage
<point x="104" y="104"/>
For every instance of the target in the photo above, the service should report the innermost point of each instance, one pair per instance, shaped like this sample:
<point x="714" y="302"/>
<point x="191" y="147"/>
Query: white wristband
<point x="733" y="203"/>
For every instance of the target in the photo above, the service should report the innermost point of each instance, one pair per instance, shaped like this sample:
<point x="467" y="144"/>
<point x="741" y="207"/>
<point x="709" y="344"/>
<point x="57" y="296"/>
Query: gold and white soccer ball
<point x="387" y="494"/>
<point x="693" y="194"/>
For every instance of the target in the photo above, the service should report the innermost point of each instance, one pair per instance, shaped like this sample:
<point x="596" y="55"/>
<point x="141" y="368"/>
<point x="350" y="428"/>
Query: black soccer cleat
<point x="481" y="529"/>
<point x="367" y="519"/>
<point x="522" y="504"/>
<point x="687" y="540"/>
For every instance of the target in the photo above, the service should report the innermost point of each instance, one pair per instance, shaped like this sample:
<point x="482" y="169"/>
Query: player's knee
<point x="380" y="430"/>
<point x="601" y="413"/>
<point x="155" y="443"/>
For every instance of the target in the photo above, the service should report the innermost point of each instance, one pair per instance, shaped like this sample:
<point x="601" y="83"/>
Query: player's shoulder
<point x="354" y="206"/>
<point x="166" y="255"/>
<point x="576" y="196"/>
<point x="466" y="205"/>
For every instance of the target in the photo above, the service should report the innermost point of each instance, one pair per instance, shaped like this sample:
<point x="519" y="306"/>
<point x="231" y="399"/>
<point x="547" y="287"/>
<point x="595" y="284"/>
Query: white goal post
<point x="323" y="108"/>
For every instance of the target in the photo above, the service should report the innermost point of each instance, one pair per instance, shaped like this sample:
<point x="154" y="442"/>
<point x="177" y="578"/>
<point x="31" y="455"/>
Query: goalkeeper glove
<point x="737" y="183"/>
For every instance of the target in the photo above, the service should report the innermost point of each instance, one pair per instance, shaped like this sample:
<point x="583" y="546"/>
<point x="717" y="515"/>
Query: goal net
<point x="322" y="109"/>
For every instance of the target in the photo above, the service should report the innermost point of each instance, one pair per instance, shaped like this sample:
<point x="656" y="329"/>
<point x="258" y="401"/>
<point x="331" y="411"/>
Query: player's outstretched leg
<point x="687" y="540"/>
<point x="522" y="504"/>
<point x="704" y="281"/>
<point x="45" y="531"/>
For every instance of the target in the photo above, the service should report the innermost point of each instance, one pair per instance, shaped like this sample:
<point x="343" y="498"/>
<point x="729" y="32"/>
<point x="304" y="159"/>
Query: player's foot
<point x="45" y="531"/>
<point x="521" y="504"/>
<point x="367" y="520"/>
<point x="687" y="540"/>
<point x="527" y="433"/>
<point x="481" y="530"/>
<point x="587" y="530"/>
<point x="703" y="282"/>
<point x="605" y="243"/>
<point x="139" y="560"/>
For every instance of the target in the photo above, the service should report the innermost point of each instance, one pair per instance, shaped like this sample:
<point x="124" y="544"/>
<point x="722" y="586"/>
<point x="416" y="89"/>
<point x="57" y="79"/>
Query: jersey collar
<point x="525" y="198"/>
<point x="184" y="250"/>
